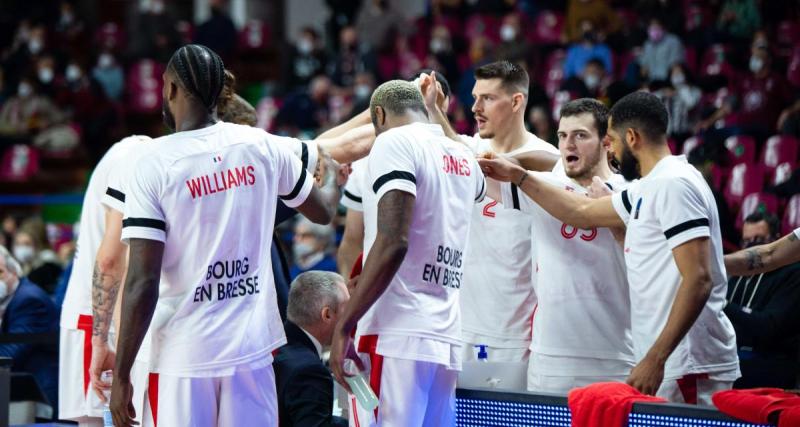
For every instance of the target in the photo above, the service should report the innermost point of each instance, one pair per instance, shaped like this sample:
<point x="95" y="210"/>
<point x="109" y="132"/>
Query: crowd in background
<point x="728" y="71"/>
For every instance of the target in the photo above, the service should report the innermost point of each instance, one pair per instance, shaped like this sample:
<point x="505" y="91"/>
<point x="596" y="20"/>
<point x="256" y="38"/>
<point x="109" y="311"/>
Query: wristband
<point x="525" y="175"/>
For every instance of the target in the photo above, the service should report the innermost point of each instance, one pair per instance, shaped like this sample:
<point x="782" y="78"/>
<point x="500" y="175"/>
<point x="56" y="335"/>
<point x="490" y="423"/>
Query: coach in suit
<point x="304" y="385"/>
<point x="26" y="309"/>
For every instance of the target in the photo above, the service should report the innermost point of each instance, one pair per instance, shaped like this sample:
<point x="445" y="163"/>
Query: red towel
<point x="790" y="417"/>
<point x="754" y="405"/>
<point x="356" y="270"/>
<point x="604" y="404"/>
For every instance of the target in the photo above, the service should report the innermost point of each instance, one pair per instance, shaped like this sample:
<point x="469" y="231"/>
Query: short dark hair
<point x="200" y="72"/>
<point x="597" y="109"/>
<point x="596" y="61"/>
<point x="439" y="78"/>
<point x="513" y="77"/>
<point x="772" y="221"/>
<point x="642" y="111"/>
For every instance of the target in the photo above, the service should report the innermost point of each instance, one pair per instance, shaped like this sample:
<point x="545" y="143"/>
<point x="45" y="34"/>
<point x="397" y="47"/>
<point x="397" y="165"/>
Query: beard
<point x="627" y="166"/>
<point x="167" y="117"/>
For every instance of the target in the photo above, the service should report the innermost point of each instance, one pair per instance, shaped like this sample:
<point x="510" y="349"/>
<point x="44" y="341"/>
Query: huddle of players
<point x="429" y="234"/>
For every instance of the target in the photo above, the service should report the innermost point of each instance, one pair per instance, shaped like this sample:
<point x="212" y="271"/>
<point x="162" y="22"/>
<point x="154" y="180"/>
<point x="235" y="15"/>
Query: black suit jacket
<point x="303" y="383"/>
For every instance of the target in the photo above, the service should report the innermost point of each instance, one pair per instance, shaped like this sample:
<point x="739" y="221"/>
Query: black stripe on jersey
<point x="481" y="193"/>
<point x="304" y="155"/>
<point x="515" y="196"/>
<point x="610" y="187"/>
<point x="688" y="225"/>
<point x="393" y="175"/>
<point x="119" y="195"/>
<point x="144" y="222"/>
<point x="625" y="201"/>
<point x="352" y="196"/>
<point x="297" y="187"/>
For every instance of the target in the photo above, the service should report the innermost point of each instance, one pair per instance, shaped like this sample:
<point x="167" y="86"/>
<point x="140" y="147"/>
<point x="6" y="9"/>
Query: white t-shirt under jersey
<point x="582" y="322"/>
<point x="497" y="299"/>
<point x="353" y="194"/>
<point x="210" y="195"/>
<point x="78" y="299"/>
<point x="797" y="232"/>
<point x="671" y="206"/>
<point x="418" y="314"/>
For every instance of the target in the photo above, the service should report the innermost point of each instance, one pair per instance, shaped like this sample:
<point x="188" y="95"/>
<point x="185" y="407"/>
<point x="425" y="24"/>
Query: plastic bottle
<point x="361" y="389"/>
<point x="108" y="421"/>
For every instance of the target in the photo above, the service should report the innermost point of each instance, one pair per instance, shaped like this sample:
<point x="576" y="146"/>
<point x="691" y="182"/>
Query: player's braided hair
<point x="200" y="72"/>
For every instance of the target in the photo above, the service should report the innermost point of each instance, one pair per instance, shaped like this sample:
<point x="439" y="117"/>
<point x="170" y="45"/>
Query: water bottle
<point x="483" y="355"/>
<point x="361" y="389"/>
<point x="108" y="421"/>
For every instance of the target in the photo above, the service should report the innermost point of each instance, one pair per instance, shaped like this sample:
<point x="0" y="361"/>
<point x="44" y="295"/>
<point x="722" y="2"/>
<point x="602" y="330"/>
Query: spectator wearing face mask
<point x="311" y="248"/>
<point x="26" y="309"/>
<point x="27" y="112"/>
<point x="660" y="52"/>
<point x="738" y="19"/>
<point x="765" y="312"/>
<point x="589" y="47"/>
<point x="306" y="59"/>
<point x="110" y="75"/>
<point x="758" y="99"/>
<point x="442" y="53"/>
<point x="681" y="97"/>
<point x="350" y="59"/>
<point x="513" y="46"/>
<point x="590" y="83"/>
<point x="32" y="250"/>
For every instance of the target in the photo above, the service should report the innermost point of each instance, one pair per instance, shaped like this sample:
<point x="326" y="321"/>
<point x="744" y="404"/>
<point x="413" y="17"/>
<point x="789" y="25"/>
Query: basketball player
<point x="497" y="299"/>
<point x="581" y="327"/>
<point x="684" y="345"/>
<point x="417" y="214"/>
<point x="198" y="219"/>
<point x="80" y="325"/>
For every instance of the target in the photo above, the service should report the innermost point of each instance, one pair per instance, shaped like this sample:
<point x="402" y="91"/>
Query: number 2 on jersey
<point x="487" y="210"/>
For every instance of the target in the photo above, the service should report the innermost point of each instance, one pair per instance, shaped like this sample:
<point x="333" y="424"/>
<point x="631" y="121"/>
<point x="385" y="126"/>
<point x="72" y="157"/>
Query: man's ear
<point x="172" y="91"/>
<point x="517" y="102"/>
<point x="380" y="116"/>
<point x="327" y="314"/>
<point x="632" y="137"/>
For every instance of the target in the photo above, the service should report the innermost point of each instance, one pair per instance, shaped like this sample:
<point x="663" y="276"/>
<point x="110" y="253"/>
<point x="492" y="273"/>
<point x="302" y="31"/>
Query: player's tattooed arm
<point x="763" y="258"/>
<point x="105" y="286"/>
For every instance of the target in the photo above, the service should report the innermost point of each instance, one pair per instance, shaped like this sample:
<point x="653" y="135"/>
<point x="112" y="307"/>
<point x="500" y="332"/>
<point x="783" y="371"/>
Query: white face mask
<point x="301" y="250"/>
<point x="508" y="33"/>
<point x="24" y="90"/>
<point x="438" y="45"/>
<point x="105" y="61"/>
<point x="362" y="91"/>
<point x="45" y="75"/>
<point x="678" y="79"/>
<point x="756" y="64"/>
<point x="73" y="73"/>
<point x="591" y="81"/>
<point x="305" y="46"/>
<point x="23" y="253"/>
<point x="35" y="46"/>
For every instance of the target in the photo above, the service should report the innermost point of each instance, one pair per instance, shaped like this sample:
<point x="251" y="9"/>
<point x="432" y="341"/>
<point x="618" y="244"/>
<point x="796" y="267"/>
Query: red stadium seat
<point x="254" y="36"/>
<point x="554" y="67"/>
<point x="691" y="59"/>
<point x="745" y="178"/>
<point x="779" y="149"/>
<point x="548" y="27"/>
<point x="715" y="62"/>
<point x="690" y="144"/>
<point x="791" y="215"/>
<point x="19" y="163"/>
<point x="786" y="37"/>
<point x="742" y="148"/>
<point x="673" y="146"/>
<point x="782" y="173"/>
<point x="144" y="86"/>
<point x="756" y="202"/>
<point x="110" y="36"/>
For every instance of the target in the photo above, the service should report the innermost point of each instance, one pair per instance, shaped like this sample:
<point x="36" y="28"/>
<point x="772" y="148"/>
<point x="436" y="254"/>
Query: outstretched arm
<point x="763" y="258"/>
<point x="350" y="146"/>
<point x="575" y="210"/>
<point x="360" y="119"/>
